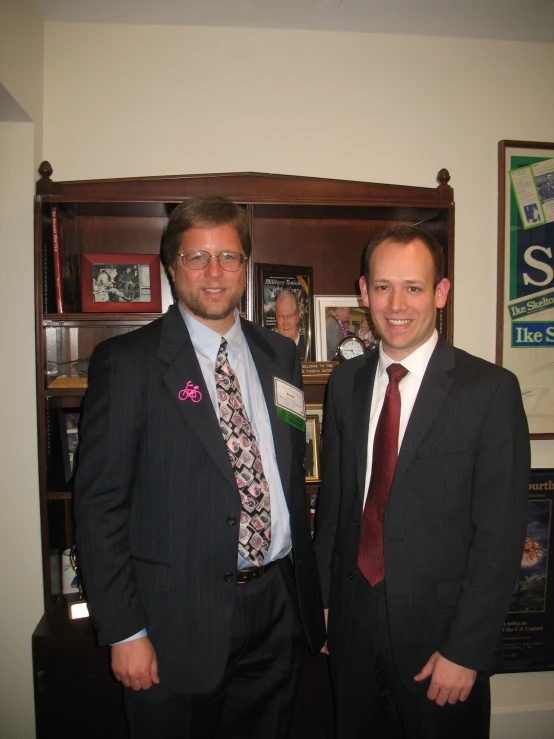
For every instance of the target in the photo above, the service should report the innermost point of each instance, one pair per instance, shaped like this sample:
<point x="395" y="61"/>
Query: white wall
<point x="20" y="558"/>
<point x="21" y="61"/>
<point x="131" y="101"/>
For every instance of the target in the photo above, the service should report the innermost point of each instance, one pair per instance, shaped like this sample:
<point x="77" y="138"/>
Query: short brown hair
<point x="204" y="212"/>
<point x="405" y="235"/>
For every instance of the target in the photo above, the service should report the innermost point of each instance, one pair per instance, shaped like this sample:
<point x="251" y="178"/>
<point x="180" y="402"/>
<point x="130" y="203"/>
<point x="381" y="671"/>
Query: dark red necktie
<point x="385" y="455"/>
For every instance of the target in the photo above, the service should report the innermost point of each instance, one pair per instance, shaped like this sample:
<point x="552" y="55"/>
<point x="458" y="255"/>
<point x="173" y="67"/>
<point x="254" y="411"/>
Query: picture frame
<point x="120" y="283"/>
<point x="69" y="434"/>
<point x="525" y="282"/>
<point x="315" y="409"/>
<point x="311" y="463"/>
<point x="331" y="327"/>
<point x="270" y="281"/>
<point x="528" y="630"/>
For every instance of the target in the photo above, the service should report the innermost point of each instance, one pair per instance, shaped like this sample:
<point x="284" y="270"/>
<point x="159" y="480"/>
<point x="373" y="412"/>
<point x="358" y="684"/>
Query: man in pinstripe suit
<point x="417" y="585"/>
<point x="206" y="642"/>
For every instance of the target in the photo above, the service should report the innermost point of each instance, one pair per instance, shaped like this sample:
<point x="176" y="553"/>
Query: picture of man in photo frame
<point x="285" y="304"/>
<point x="287" y="320"/>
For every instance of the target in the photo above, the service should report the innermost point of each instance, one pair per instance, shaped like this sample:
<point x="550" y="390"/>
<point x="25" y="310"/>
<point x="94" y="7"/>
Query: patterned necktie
<point x="385" y="455"/>
<point x="242" y="447"/>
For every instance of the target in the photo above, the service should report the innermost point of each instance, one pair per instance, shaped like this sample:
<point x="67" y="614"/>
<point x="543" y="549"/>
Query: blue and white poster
<point x="527" y="336"/>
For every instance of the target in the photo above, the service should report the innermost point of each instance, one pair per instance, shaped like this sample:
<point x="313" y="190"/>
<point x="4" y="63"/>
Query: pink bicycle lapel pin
<point x="190" y="391"/>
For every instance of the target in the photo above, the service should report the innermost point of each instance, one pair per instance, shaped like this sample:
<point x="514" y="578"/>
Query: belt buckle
<point x="251" y="573"/>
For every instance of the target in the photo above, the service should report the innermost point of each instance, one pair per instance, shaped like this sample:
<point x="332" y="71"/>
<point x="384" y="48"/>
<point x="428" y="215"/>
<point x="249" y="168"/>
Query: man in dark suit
<point x="190" y="507"/>
<point x="421" y="516"/>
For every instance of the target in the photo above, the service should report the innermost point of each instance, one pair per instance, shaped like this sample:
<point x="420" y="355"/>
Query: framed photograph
<point x="284" y="303"/>
<point x="121" y="283"/>
<point x="525" y="305"/>
<point x="315" y="409"/>
<point x="311" y="463"/>
<point x="337" y="316"/>
<point x="528" y="631"/>
<point x="69" y="429"/>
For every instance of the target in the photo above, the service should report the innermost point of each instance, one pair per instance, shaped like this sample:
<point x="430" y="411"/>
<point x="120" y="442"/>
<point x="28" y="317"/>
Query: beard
<point x="195" y="304"/>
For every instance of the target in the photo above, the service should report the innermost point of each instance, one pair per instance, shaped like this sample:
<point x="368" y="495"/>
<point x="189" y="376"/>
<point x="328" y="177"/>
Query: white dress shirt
<point x="416" y="364"/>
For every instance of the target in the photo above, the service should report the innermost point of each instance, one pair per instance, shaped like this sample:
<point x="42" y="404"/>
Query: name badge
<point x="289" y="401"/>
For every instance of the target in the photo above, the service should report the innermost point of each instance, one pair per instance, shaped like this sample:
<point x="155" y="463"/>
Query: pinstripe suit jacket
<point x="156" y="500"/>
<point x="456" y="517"/>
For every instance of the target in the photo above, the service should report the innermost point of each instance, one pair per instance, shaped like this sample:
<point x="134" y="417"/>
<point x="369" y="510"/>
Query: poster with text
<point x="528" y="631"/>
<point x="526" y="286"/>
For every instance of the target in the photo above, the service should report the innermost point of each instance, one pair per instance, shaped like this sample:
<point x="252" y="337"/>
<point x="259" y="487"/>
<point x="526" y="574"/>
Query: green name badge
<point x="292" y="418"/>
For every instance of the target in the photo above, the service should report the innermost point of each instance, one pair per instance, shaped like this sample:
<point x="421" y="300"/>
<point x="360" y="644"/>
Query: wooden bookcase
<point x="320" y="223"/>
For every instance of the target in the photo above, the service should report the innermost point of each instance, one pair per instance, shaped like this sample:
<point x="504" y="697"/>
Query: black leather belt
<point x="252" y="573"/>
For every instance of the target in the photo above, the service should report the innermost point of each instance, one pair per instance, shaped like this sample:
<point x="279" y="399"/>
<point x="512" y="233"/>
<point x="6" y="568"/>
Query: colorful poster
<point x="526" y="321"/>
<point x="528" y="631"/>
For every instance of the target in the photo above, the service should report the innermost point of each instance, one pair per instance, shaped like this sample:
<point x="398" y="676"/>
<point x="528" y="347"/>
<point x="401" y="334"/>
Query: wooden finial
<point x="45" y="170"/>
<point x="443" y="177"/>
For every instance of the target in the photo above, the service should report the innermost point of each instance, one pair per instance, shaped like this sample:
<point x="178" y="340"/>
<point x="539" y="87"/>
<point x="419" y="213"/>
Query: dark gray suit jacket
<point x="456" y="517"/>
<point x="157" y="506"/>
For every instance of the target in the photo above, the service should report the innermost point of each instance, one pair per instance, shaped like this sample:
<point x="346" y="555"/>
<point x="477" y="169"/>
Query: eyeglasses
<point x="230" y="261"/>
<point x="288" y="317"/>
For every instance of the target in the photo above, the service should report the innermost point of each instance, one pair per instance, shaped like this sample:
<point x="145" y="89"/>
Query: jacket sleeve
<point x="328" y="499"/>
<point x="499" y="519"/>
<point x="107" y="460"/>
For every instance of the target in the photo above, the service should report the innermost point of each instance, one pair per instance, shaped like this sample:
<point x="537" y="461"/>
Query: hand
<point x="134" y="664"/>
<point x="324" y="649"/>
<point x="450" y="682"/>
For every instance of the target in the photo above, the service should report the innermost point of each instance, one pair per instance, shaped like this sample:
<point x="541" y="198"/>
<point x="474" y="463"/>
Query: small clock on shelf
<point x="348" y="348"/>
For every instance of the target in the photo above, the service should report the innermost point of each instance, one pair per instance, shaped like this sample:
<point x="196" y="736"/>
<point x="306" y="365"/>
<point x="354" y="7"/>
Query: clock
<point x="348" y="348"/>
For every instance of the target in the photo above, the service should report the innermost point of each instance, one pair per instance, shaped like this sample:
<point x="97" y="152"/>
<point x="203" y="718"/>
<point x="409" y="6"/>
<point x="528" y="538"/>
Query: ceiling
<point x="511" y="20"/>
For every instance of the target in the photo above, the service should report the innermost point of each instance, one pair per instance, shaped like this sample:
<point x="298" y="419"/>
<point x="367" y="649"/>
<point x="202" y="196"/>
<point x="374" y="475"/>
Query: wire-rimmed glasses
<point x="230" y="261"/>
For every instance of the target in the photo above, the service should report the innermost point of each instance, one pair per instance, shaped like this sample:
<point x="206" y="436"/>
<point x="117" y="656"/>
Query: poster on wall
<point x="284" y="303"/>
<point x="525" y="314"/>
<point x="528" y="631"/>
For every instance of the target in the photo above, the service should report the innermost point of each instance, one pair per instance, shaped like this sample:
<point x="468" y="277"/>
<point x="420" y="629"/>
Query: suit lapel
<point x="177" y="350"/>
<point x="268" y="367"/>
<point x="434" y="388"/>
<point x="361" y="402"/>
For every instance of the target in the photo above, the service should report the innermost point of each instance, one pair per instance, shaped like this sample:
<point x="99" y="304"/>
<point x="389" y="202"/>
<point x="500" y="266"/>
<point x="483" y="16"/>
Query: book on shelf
<point x="71" y="262"/>
<point x="57" y="259"/>
<point x="48" y="291"/>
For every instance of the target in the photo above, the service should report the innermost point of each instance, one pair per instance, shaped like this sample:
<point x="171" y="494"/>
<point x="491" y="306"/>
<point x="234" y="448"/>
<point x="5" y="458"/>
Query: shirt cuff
<point x="139" y="635"/>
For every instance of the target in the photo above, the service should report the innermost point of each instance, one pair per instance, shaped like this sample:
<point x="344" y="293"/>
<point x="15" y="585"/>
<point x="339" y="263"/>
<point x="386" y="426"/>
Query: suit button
<point x="350" y="575"/>
<point x="228" y="577"/>
<point x="357" y="523"/>
<point x="231" y="521"/>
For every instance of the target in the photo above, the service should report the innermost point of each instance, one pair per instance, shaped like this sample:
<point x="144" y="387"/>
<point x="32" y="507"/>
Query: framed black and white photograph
<point x="284" y="303"/>
<point x="338" y="316"/>
<point x="311" y="463"/>
<point x="121" y="283"/>
<point x="69" y="430"/>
